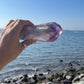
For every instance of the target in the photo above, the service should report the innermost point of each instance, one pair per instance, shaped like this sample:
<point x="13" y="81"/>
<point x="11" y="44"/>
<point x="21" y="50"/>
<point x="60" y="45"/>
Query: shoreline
<point x="65" y="75"/>
<point x="50" y="78"/>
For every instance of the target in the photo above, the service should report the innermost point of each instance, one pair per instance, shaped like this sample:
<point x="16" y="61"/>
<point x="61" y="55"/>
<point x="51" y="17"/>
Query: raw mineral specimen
<point x="46" y="32"/>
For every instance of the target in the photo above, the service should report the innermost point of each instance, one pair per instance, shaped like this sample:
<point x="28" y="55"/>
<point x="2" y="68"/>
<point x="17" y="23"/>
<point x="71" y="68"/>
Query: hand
<point x="10" y="47"/>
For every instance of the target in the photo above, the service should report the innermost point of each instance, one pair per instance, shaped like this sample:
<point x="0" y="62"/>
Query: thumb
<point x="26" y="43"/>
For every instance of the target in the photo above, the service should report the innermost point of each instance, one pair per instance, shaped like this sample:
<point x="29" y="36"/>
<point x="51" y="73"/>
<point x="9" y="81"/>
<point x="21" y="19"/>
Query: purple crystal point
<point x="58" y="31"/>
<point x="46" y="32"/>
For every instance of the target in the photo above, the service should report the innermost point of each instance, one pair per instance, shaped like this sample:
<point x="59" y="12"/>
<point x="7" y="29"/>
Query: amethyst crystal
<point x="46" y="32"/>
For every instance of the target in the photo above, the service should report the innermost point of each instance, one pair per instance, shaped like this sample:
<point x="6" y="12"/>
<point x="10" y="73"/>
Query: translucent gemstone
<point x="46" y="32"/>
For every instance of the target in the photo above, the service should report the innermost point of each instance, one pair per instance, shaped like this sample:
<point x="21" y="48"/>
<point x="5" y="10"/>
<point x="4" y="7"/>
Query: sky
<point x="68" y="13"/>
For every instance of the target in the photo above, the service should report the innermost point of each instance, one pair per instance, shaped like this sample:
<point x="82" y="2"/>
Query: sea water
<point x="43" y="55"/>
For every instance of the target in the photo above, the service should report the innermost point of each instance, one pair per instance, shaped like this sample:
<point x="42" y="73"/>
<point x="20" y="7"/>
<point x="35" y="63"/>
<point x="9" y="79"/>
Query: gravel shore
<point x="68" y="75"/>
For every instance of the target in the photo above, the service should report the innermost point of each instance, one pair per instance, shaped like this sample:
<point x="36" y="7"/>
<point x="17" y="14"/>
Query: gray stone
<point x="66" y="82"/>
<point x="78" y="79"/>
<point x="50" y="83"/>
<point x="7" y="81"/>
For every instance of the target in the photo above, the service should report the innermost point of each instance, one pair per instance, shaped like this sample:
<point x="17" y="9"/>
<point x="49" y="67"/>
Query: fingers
<point x="9" y="22"/>
<point x="19" y="24"/>
<point x="26" y="43"/>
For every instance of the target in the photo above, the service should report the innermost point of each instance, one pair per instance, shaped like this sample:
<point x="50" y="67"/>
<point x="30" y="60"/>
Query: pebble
<point x="7" y="81"/>
<point x="78" y="79"/>
<point x="41" y="74"/>
<point x="61" y="60"/>
<point x="68" y="77"/>
<point x="50" y="83"/>
<point x="70" y="64"/>
<point x="66" y="82"/>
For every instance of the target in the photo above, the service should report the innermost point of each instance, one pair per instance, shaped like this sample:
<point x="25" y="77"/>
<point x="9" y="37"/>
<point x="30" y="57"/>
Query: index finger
<point x="19" y="24"/>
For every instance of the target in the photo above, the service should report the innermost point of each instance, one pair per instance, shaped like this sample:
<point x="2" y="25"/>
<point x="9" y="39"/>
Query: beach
<point x="66" y="75"/>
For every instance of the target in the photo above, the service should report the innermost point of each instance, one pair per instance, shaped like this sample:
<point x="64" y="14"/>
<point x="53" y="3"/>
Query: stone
<point x="82" y="79"/>
<point x="59" y="79"/>
<point x="50" y="83"/>
<point x="41" y="74"/>
<point x="68" y="77"/>
<point x="42" y="32"/>
<point x="72" y="70"/>
<point x="70" y="64"/>
<point x="35" y="77"/>
<point x="21" y="77"/>
<point x="61" y="60"/>
<point x="25" y="78"/>
<point x="66" y="82"/>
<point x="55" y="81"/>
<point x="49" y="71"/>
<point x="56" y="75"/>
<point x="32" y="81"/>
<point x="14" y="80"/>
<point x="82" y="68"/>
<point x="78" y="78"/>
<point x="7" y="81"/>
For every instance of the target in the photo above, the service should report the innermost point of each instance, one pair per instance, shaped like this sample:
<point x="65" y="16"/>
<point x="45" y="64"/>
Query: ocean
<point x="43" y="56"/>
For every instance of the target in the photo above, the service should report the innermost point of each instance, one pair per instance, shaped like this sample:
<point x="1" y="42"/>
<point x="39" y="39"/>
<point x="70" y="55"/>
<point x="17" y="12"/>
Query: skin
<point x="10" y="47"/>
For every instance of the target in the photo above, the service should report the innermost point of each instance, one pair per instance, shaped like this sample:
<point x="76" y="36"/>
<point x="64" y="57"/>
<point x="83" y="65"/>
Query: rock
<point x="41" y="74"/>
<point x="82" y="68"/>
<point x="50" y="83"/>
<point x="56" y="75"/>
<point x="61" y="60"/>
<point x="35" y="77"/>
<point x="78" y="79"/>
<point x="82" y="76"/>
<point x="68" y="77"/>
<point x="64" y="76"/>
<point x="70" y="64"/>
<point x="7" y="81"/>
<point x="21" y="77"/>
<point x="66" y="82"/>
<point x="50" y="79"/>
<point x="59" y="79"/>
<point x="25" y="75"/>
<point x="78" y="64"/>
<point x="49" y="71"/>
<point x="55" y="81"/>
<point x="18" y="81"/>
<point x="14" y="80"/>
<point x="78" y="73"/>
<point x="32" y="81"/>
<point x="72" y="70"/>
<point x="41" y="77"/>
<point x="82" y="79"/>
<point x="25" y="78"/>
